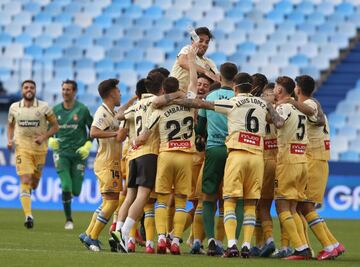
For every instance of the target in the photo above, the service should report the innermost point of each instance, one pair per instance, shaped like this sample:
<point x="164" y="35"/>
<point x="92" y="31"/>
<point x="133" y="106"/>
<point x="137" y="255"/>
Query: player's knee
<point x="34" y="183"/>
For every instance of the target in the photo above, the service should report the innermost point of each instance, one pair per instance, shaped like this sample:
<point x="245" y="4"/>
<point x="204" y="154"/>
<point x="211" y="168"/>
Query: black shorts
<point x="142" y="171"/>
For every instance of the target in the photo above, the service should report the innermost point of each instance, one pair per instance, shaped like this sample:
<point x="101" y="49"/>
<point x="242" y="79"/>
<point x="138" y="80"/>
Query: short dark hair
<point x="202" y="75"/>
<point x="243" y="81"/>
<point x="287" y="83"/>
<point x="28" y="81"/>
<point x="306" y="84"/>
<point x="205" y="31"/>
<point x="269" y="86"/>
<point x="228" y="71"/>
<point x="72" y="82"/>
<point x="170" y="85"/>
<point x="106" y="86"/>
<point x="140" y="88"/>
<point x="153" y="82"/>
<point x="162" y="70"/>
<point x="259" y="82"/>
<point x="215" y="85"/>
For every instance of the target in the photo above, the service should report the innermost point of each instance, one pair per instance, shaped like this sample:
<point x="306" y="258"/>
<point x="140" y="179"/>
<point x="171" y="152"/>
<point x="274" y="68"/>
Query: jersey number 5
<point x="174" y="126"/>
<point x="301" y="127"/>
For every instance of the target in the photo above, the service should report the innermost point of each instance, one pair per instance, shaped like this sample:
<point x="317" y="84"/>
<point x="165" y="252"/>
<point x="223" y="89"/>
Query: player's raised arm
<point x="276" y="119"/>
<point x="192" y="88"/>
<point x="166" y="99"/>
<point x="194" y="103"/>
<point x="120" y="115"/>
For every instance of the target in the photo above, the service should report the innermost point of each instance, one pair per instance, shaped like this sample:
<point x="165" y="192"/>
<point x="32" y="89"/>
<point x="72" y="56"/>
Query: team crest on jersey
<point x="38" y="114"/>
<point x="75" y="117"/>
<point x="59" y="117"/>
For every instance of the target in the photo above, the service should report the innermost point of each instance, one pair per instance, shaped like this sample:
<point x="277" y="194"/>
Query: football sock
<point x="180" y="216"/>
<point x="306" y="229"/>
<point x="108" y="208"/>
<point x="330" y="236"/>
<point x="284" y="239"/>
<point x="126" y="228"/>
<point x="93" y="220"/>
<point x="161" y="214"/>
<point x="170" y="212"/>
<point x="149" y="221"/>
<point x="198" y="227"/>
<point x="230" y="221"/>
<point x="220" y="229"/>
<point x="249" y="222"/>
<point x="259" y="235"/>
<point x="66" y="200"/>
<point x="25" y="198"/>
<point x="189" y="220"/>
<point x="209" y="218"/>
<point x="132" y="233"/>
<point x="267" y="227"/>
<point x="287" y="222"/>
<point x="316" y="224"/>
<point x="299" y="227"/>
<point x="239" y="211"/>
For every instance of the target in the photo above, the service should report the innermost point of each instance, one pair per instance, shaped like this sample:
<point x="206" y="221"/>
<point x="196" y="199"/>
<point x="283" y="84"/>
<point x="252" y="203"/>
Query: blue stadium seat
<point x="238" y="58"/>
<point x="316" y="18"/>
<point x="35" y="51"/>
<point x="279" y="60"/>
<point x="296" y="17"/>
<point x="43" y="18"/>
<point x="84" y="42"/>
<point x="104" y="42"/>
<point x="305" y="7"/>
<point x="346" y="9"/>
<point x="133" y="12"/>
<point x="73" y="31"/>
<point x="337" y="120"/>
<point x="153" y="12"/>
<point x="275" y="16"/>
<point x="310" y="50"/>
<point x="84" y="63"/>
<point x="351" y="156"/>
<point x="175" y="35"/>
<point x="311" y="71"/>
<point x="154" y="34"/>
<point x="94" y="31"/>
<point x="164" y="4"/>
<point x="116" y="53"/>
<point x="339" y="144"/>
<point x="135" y="55"/>
<point x="244" y="6"/>
<point x="340" y="40"/>
<point x="355" y="145"/>
<point x="5" y="73"/>
<point x="163" y="24"/>
<point x="307" y="28"/>
<point x="124" y="65"/>
<point x="325" y="7"/>
<point x="32" y="7"/>
<point x="104" y="65"/>
<point x="63" y="63"/>
<point x="219" y="56"/>
<point x="143" y="67"/>
<point x="23" y="18"/>
<point x="287" y="27"/>
<point x="144" y="44"/>
<point x="53" y="52"/>
<point x="238" y="36"/>
<point x="165" y="44"/>
<point x="6" y="39"/>
<point x="95" y="53"/>
<point x="44" y="41"/>
<point x="247" y="48"/>
<point x="319" y="38"/>
<point x="155" y="55"/>
<point x="348" y="132"/>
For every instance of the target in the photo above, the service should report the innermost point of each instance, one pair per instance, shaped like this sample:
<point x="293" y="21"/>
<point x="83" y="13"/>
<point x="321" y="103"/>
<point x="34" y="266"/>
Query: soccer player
<point x="71" y="145"/>
<point x="215" y="153"/>
<point x="28" y="130"/>
<point x="317" y="153"/>
<point x="175" y="125"/>
<point x="142" y="164"/>
<point x="105" y="128"/>
<point x="291" y="168"/>
<point x="180" y="69"/>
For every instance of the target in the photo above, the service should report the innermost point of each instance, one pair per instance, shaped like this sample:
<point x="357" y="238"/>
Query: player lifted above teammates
<point x="204" y="65"/>
<point x="71" y="145"/>
<point x="28" y="129"/>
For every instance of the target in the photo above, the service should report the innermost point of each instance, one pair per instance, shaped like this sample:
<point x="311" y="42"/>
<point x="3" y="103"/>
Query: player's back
<point x="176" y="128"/>
<point x="292" y="137"/>
<point x="246" y="123"/>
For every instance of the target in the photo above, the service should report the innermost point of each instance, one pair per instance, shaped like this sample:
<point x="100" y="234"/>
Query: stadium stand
<point x="89" y="40"/>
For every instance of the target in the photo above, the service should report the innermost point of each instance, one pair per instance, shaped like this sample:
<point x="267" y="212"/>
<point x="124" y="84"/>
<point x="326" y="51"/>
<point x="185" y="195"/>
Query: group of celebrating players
<point x="224" y="140"/>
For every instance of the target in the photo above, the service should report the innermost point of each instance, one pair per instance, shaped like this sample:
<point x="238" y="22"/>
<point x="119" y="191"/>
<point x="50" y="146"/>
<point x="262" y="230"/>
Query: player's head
<point x="153" y="83"/>
<point x="305" y="85"/>
<point x="268" y="91"/>
<point x="28" y="89"/>
<point x="162" y="70"/>
<point x="205" y="36"/>
<point x="109" y="90"/>
<point x="242" y="83"/>
<point x="203" y="85"/>
<point x="170" y="85"/>
<point x="140" y="88"/>
<point x="284" y="87"/>
<point x="259" y="82"/>
<point x="215" y="85"/>
<point x="68" y="89"/>
<point x="228" y="71"/>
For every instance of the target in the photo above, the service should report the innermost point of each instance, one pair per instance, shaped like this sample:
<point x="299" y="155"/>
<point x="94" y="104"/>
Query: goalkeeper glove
<point x="53" y="143"/>
<point x="84" y="150"/>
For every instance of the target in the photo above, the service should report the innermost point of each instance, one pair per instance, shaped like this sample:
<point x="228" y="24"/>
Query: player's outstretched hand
<point x="39" y="139"/>
<point x="84" y="150"/>
<point x="53" y="143"/>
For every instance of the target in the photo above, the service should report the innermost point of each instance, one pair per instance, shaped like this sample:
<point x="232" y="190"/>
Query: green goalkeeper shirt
<point x="72" y="123"/>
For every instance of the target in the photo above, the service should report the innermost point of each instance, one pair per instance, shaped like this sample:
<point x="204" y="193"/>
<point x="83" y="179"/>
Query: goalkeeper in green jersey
<point x="71" y="145"/>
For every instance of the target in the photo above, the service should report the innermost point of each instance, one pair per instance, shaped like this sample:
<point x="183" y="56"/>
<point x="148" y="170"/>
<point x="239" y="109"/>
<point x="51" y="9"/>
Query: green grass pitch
<point x="48" y="244"/>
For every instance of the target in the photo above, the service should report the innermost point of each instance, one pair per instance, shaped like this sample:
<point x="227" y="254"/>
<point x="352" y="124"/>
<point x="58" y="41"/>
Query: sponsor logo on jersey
<point x="270" y="144"/>
<point x="75" y="117"/>
<point x="327" y="144"/>
<point x="179" y="144"/>
<point x="248" y="138"/>
<point x="297" y="149"/>
<point x="29" y="123"/>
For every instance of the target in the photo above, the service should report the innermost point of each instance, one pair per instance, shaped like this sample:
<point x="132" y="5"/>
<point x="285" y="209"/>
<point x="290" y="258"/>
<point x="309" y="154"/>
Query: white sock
<point x="132" y="240"/>
<point x="336" y="244"/>
<point x="329" y="248"/>
<point x="219" y="243"/>
<point x="176" y="241"/>
<point x="128" y="224"/>
<point x="119" y="224"/>
<point x="162" y="237"/>
<point x="231" y="242"/>
<point x="302" y="248"/>
<point x="150" y="243"/>
<point x="269" y="240"/>
<point x="246" y="244"/>
<point x="209" y="240"/>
